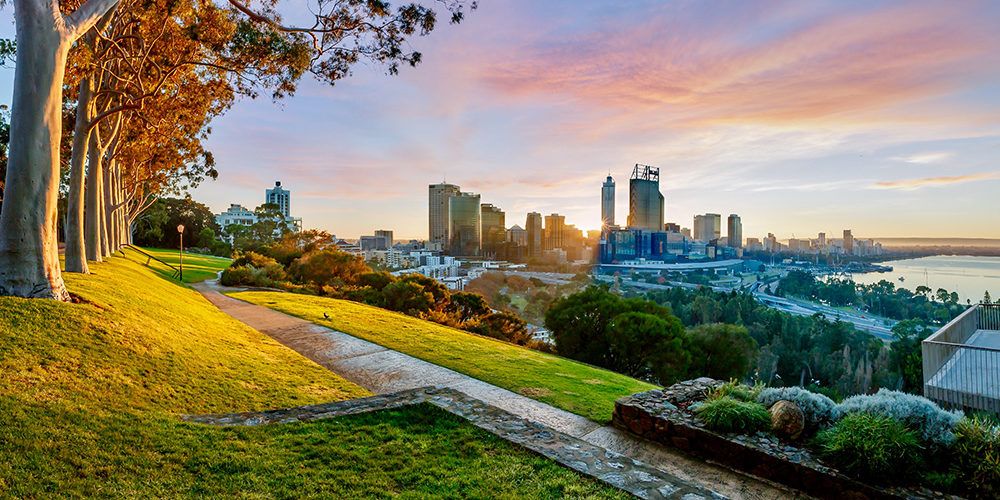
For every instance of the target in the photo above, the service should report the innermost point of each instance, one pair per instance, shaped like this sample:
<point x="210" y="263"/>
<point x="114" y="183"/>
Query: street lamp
<point x="180" y="229"/>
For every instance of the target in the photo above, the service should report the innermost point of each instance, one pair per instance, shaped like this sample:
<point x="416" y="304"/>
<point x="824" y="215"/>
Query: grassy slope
<point x="567" y="384"/>
<point x="196" y="267"/>
<point x="90" y="394"/>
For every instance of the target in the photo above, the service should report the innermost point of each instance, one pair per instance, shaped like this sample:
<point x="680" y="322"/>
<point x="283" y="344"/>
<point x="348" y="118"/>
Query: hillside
<point x="92" y="392"/>
<point x="573" y="386"/>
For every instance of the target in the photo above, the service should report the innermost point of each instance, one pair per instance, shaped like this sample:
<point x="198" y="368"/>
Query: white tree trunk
<point x="76" y="257"/>
<point x="107" y="205"/>
<point x="95" y="199"/>
<point x="29" y="253"/>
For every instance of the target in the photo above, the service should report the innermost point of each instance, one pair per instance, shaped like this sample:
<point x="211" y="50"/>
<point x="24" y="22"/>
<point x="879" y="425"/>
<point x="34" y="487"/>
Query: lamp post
<point x="180" y="229"/>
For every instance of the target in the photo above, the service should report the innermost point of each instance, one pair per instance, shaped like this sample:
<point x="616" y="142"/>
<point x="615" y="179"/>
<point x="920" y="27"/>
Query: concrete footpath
<point x="385" y="371"/>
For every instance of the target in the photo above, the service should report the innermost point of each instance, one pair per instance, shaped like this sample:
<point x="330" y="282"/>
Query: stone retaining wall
<point x="658" y="416"/>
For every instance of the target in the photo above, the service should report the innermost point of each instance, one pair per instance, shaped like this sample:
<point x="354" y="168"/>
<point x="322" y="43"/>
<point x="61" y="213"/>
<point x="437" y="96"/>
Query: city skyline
<point x="799" y="119"/>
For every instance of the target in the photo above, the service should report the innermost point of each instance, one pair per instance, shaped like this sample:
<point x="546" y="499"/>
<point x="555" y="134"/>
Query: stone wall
<point x="660" y="416"/>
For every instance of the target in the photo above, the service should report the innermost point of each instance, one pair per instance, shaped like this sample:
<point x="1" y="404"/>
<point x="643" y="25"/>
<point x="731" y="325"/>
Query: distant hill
<point x="940" y="242"/>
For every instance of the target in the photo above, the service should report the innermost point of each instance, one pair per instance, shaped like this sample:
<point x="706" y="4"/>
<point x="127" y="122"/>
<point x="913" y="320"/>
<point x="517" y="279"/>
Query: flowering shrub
<point x="934" y="425"/>
<point x="816" y="408"/>
<point x="737" y="391"/>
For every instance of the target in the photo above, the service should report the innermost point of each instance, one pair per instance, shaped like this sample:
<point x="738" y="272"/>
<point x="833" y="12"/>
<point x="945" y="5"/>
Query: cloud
<point x="924" y="158"/>
<point x="914" y="184"/>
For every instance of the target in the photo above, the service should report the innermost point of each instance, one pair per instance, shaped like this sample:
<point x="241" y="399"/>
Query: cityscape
<point x="667" y="249"/>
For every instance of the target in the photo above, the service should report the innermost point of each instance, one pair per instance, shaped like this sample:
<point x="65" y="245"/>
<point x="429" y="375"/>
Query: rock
<point x="787" y="420"/>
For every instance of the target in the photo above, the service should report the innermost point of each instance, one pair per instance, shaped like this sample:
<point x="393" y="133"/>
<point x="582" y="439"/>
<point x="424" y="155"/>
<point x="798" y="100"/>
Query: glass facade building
<point x="465" y="224"/>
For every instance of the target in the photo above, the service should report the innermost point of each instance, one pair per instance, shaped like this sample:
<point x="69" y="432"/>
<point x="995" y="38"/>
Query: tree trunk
<point x="108" y="206"/>
<point x="29" y="252"/>
<point x="76" y="258"/>
<point x="95" y="199"/>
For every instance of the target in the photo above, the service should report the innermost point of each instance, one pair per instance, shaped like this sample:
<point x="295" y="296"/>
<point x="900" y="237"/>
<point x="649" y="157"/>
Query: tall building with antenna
<point x="645" y="202"/>
<point x="608" y="203"/>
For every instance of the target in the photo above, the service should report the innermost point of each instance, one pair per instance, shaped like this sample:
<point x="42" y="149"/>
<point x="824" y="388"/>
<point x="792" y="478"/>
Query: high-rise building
<point x="672" y="227"/>
<point x="465" y="224"/>
<point x="554" y="225"/>
<point x="608" y="203"/>
<point x="280" y="197"/>
<point x="716" y="221"/>
<point x="493" y="228"/>
<point x="385" y="233"/>
<point x="735" y="231"/>
<point x="518" y="236"/>
<point x="698" y="229"/>
<point x="438" y="212"/>
<point x="533" y="225"/>
<point x="645" y="202"/>
<point x="848" y="242"/>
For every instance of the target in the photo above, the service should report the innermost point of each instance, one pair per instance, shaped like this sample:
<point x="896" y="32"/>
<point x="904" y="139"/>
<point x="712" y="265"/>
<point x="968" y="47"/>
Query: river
<point x="967" y="275"/>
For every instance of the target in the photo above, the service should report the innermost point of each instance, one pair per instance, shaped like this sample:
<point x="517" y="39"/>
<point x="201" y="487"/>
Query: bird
<point x="326" y="316"/>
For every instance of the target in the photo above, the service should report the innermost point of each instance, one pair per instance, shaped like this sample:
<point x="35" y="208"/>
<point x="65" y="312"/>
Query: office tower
<point x="716" y="226"/>
<point x="373" y="243"/>
<point x="735" y="231"/>
<point x="280" y="197"/>
<point x="554" y="225"/>
<point x="822" y="240"/>
<point x="608" y="203"/>
<point x="386" y="234"/>
<point x="645" y="202"/>
<point x="518" y="236"/>
<point x="698" y="229"/>
<point x="493" y="228"/>
<point x="848" y="242"/>
<point x="672" y="227"/>
<point x="533" y="226"/>
<point x="465" y="224"/>
<point x="438" y="212"/>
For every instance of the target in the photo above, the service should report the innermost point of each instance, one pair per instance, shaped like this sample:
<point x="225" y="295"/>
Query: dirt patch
<point x="535" y="392"/>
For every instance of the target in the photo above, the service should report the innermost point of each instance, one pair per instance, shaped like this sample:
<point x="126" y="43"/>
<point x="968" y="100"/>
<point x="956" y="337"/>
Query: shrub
<point x="237" y="276"/>
<point x="871" y="447"/>
<point x="976" y="458"/>
<point x="720" y="351"/>
<point x="933" y="424"/>
<point x="816" y="408"/>
<point x="726" y="414"/>
<point x="737" y="391"/>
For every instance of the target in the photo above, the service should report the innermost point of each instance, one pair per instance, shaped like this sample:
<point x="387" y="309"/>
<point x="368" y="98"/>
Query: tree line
<point x="139" y="83"/>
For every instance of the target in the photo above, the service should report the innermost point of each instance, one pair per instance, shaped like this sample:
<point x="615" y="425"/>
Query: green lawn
<point x="572" y="386"/>
<point x="91" y="392"/>
<point x="196" y="267"/>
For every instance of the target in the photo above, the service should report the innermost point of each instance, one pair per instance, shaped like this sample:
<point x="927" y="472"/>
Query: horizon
<point x="800" y="119"/>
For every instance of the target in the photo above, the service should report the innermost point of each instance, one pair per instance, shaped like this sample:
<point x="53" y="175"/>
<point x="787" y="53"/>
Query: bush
<point x="721" y="351"/>
<point x="976" y="458"/>
<point x="817" y="408"/>
<point x="934" y="425"/>
<point x="237" y="276"/>
<point x="737" y="391"/>
<point x="871" y="447"/>
<point x="726" y="414"/>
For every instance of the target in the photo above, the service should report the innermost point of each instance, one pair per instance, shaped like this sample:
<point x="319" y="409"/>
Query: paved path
<point x="383" y="371"/>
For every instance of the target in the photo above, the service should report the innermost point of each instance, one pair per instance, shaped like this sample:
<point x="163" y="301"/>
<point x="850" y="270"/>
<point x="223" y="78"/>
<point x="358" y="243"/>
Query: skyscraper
<point x="698" y="229"/>
<point x="716" y="221"/>
<point x="645" y="202"/>
<point x="735" y="231"/>
<point x="385" y="233"/>
<point x="608" y="203"/>
<point x="465" y="224"/>
<point x="438" y="212"/>
<point x="280" y="197"/>
<point x="848" y="242"/>
<point x="533" y="225"/>
<point x="554" y="225"/>
<point x="493" y="228"/>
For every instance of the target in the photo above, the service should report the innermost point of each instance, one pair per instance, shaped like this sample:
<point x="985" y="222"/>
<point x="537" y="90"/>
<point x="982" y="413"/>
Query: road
<point x="877" y="326"/>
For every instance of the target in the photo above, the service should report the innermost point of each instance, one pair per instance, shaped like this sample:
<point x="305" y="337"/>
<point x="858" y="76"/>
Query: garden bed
<point x="662" y="416"/>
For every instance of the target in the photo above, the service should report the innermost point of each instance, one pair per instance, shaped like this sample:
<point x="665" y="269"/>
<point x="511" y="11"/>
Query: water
<point x="968" y="276"/>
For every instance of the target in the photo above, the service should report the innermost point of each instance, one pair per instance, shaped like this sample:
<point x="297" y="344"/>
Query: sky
<point x="800" y="116"/>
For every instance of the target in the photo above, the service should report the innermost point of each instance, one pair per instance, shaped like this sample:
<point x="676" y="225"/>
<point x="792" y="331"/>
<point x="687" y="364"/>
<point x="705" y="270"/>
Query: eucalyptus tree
<point x="341" y="33"/>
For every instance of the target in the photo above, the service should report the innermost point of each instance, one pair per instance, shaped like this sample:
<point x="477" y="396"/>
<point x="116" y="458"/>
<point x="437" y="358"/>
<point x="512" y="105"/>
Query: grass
<point x="564" y="383"/>
<point x="197" y="267"/>
<point x="91" y="392"/>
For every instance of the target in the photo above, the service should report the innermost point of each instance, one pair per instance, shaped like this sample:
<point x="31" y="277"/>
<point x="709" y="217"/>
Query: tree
<point x="343" y="33"/>
<point x="168" y="213"/>
<point x="501" y="325"/>
<point x="329" y="267"/>
<point x="648" y="346"/>
<point x="721" y="351"/>
<point x="467" y="306"/>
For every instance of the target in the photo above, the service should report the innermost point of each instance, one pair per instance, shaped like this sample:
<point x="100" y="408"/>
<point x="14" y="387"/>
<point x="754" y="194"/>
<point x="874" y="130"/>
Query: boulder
<point x="787" y="420"/>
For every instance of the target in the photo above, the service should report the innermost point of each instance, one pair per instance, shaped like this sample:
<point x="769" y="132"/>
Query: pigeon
<point x="326" y="316"/>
